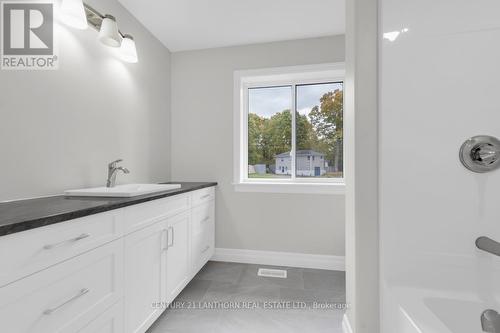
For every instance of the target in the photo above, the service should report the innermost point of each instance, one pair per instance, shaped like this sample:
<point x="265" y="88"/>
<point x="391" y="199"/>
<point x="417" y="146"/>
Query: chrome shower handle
<point x="481" y="153"/>
<point x="488" y="245"/>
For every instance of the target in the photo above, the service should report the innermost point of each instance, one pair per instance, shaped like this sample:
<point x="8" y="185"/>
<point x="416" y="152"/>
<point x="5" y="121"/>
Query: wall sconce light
<point x="79" y="15"/>
<point x="127" y="49"/>
<point x="108" y="33"/>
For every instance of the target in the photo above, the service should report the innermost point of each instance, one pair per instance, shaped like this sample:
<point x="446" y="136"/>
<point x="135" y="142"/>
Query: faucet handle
<point x="113" y="164"/>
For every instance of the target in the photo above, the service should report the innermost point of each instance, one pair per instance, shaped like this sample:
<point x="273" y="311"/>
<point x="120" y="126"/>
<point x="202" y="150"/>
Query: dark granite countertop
<point x="22" y="215"/>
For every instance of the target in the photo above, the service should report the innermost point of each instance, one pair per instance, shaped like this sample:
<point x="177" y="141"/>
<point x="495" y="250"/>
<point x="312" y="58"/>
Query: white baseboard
<point x="288" y="259"/>
<point x="346" y="325"/>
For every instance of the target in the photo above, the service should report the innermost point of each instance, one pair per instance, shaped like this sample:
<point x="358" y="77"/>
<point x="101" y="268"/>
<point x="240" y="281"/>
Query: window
<point x="289" y="129"/>
<point x="269" y="132"/>
<point x="319" y="132"/>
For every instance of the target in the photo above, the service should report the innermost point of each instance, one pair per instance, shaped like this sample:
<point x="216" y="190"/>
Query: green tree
<point x="306" y="136"/>
<point x="327" y="119"/>
<point x="256" y="126"/>
<point x="268" y="137"/>
<point x="278" y="135"/>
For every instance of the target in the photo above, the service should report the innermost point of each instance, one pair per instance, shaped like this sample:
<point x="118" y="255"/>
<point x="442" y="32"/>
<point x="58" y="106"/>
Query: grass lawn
<point x="267" y="175"/>
<point x="271" y="175"/>
<point x="333" y="175"/>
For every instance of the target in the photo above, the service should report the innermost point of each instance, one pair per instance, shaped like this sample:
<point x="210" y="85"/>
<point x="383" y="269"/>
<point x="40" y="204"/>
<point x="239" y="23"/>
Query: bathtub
<point x="428" y="311"/>
<point x="441" y="294"/>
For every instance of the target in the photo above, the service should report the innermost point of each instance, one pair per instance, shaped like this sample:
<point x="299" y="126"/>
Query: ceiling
<point x="198" y="24"/>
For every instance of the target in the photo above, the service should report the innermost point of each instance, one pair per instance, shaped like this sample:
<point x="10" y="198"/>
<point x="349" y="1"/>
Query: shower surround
<point x="439" y="69"/>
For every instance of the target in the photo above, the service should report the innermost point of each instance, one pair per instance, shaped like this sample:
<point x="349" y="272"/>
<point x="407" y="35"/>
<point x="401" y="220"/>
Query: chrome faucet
<point x="490" y="321"/>
<point x="112" y="171"/>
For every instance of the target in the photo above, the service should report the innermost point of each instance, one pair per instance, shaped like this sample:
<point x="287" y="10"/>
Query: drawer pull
<point x="206" y="219"/>
<point x="51" y="246"/>
<point x="170" y="244"/>
<point x="164" y="249"/>
<point x="205" y="196"/>
<point x="80" y="294"/>
<point x="206" y="249"/>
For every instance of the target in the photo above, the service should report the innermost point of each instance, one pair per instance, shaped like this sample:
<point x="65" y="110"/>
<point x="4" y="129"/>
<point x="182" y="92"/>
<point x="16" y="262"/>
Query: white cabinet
<point x="40" y="248"/>
<point x="111" y="321"/>
<point x="156" y="269"/>
<point x="144" y="214"/>
<point x="202" y="251"/>
<point x="178" y="247"/>
<point x="202" y="231"/>
<point x="159" y="260"/>
<point x="203" y="218"/>
<point x="112" y="272"/>
<point x="203" y="195"/>
<point x="145" y="274"/>
<point x="65" y="297"/>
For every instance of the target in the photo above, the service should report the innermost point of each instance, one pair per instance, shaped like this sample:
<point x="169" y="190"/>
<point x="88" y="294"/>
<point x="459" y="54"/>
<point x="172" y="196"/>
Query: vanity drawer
<point x="65" y="297"/>
<point x="201" y="196"/>
<point x="202" y="250"/>
<point x="203" y="217"/>
<point x="25" y="253"/>
<point x="111" y="321"/>
<point x="142" y="215"/>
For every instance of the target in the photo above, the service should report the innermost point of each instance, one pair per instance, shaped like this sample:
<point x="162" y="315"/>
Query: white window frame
<point x="269" y="77"/>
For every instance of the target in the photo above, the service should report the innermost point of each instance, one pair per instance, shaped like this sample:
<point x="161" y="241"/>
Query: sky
<point x="265" y="102"/>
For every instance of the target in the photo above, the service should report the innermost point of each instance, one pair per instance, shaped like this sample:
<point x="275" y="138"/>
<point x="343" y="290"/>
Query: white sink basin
<point x="122" y="191"/>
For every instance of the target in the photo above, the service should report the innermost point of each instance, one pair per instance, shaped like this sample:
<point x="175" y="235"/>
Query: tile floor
<point x="229" y="285"/>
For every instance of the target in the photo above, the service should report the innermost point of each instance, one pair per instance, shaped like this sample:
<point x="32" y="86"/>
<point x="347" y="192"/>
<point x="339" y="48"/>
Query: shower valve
<point x="481" y="153"/>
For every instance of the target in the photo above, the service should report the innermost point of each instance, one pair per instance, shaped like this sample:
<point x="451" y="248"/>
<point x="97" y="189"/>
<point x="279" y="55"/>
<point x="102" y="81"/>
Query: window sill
<point x="300" y="188"/>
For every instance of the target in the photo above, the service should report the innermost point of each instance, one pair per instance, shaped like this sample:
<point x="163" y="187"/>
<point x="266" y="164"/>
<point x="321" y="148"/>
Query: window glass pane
<point x="320" y="130"/>
<point x="269" y="132"/>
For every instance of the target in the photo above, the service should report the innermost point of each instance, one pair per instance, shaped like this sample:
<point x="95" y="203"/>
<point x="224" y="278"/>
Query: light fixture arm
<point x="110" y="35"/>
<point x="95" y="18"/>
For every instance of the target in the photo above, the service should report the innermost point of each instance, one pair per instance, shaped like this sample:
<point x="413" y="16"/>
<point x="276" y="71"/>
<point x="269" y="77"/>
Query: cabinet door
<point x="203" y="250"/>
<point x="145" y="261"/>
<point x="202" y="235"/>
<point x="178" y="245"/>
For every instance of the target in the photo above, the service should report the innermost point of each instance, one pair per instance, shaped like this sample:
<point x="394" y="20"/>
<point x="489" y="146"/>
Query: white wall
<point x="202" y="149"/>
<point x="439" y="86"/>
<point x="361" y="154"/>
<point x="58" y="129"/>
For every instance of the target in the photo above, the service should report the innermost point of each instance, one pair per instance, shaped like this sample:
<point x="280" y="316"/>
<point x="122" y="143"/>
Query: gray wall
<point x="202" y="149"/>
<point x="58" y="129"/>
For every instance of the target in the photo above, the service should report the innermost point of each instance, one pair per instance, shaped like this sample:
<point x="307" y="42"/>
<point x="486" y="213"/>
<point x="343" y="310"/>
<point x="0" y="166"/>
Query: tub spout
<point x="490" y="321"/>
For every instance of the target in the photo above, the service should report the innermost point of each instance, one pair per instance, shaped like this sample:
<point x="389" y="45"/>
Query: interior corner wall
<point x="202" y="149"/>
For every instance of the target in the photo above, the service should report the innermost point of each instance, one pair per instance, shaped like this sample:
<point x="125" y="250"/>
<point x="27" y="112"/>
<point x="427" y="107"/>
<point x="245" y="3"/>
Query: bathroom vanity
<point x="101" y="264"/>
